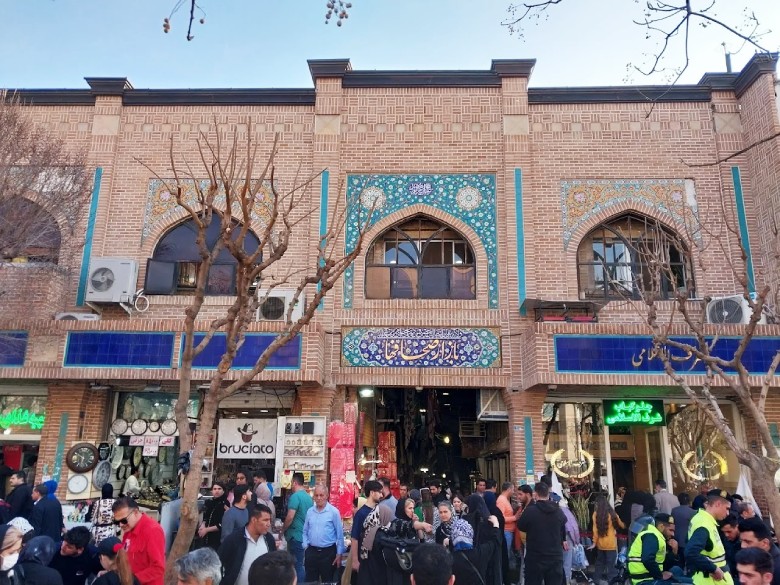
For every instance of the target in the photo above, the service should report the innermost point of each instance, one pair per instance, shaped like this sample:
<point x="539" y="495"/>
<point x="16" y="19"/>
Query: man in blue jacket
<point x="46" y="516"/>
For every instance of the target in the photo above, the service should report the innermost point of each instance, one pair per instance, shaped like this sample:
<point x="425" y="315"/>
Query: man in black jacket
<point x="545" y="528"/>
<point x="20" y="498"/>
<point x="239" y="550"/>
<point x="46" y="517"/>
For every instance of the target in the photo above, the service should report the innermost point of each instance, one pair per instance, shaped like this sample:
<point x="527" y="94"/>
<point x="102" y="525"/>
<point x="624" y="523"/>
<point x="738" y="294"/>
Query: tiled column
<point x="526" y="451"/>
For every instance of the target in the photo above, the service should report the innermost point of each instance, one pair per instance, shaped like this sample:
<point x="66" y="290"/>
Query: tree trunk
<point x="188" y="523"/>
<point x="762" y="472"/>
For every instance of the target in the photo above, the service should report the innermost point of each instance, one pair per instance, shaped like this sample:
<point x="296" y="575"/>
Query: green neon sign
<point x="20" y="417"/>
<point x="634" y="412"/>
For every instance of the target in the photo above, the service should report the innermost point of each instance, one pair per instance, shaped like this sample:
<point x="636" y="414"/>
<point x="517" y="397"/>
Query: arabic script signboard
<point x="648" y="413"/>
<point x="634" y="354"/>
<point x="421" y="347"/>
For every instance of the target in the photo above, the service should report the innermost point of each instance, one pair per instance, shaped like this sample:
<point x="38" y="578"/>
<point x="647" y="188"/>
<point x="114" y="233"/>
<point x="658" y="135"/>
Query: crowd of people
<point x="498" y="535"/>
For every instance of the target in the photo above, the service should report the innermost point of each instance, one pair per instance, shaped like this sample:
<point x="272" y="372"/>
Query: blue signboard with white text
<point x="634" y="354"/>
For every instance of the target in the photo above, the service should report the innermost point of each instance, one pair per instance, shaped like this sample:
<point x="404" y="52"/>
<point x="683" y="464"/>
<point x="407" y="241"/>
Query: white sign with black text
<point x="246" y="438"/>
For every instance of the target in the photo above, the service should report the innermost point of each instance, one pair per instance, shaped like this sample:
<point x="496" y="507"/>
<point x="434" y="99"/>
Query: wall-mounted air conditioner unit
<point x="733" y="309"/>
<point x="111" y="280"/>
<point x="491" y="405"/>
<point x="275" y="303"/>
<point x="76" y="317"/>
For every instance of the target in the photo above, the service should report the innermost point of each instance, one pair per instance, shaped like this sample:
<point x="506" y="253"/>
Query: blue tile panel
<point x="13" y="346"/>
<point x="631" y="354"/>
<point x="287" y="357"/>
<point x="104" y="349"/>
<point x="421" y="347"/>
<point x="470" y="198"/>
<point x="744" y="235"/>
<point x="86" y="255"/>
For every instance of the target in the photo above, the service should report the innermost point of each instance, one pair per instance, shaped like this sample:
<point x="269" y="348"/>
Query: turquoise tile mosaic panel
<point x="470" y="198"/>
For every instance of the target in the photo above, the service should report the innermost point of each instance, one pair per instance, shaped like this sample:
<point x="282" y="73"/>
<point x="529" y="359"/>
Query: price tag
<point x="136" y="440"/>
<point x="166" y="441"/>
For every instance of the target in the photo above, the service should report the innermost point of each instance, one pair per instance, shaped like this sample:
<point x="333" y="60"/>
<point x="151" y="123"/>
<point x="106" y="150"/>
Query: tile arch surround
<point x="376" y="230"/>
<point x="672" y="201"/>
<point x="468" y="197"/>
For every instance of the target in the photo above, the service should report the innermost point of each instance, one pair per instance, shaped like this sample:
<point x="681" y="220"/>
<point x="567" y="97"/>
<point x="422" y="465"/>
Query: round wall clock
<point x="154" y="426"/>
<point x="139" y="426"/>
<point x="82" y="457"/>
<point x="162" y="455"/>
<point x="138" y="455"/>
<point x="119" y="426"/>
<point x="168" y="427"/>
<point x="101" y="474"/>
<point x="104" y="450"/>
<point x="117" y="456"/>
<point x="78" y="484"/>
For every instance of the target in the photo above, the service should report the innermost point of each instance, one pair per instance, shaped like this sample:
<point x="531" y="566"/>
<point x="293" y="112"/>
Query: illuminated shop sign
<point x="634" y="412"/>
<point x="20" y="417"/>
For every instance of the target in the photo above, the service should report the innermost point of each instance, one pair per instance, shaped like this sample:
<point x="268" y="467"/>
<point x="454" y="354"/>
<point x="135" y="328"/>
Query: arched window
<point x="420" y="258"/>
<point x="173" y="268"/>
<point x="28" y="231"/>
<point x="632" y="256"/>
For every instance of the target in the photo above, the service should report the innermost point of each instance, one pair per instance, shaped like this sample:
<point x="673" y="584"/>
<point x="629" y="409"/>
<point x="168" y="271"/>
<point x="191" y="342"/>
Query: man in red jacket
<point x="144" y="541"/>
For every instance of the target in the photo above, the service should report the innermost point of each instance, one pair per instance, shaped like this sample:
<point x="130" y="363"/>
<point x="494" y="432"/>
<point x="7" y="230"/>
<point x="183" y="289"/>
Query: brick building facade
<point x="519" y="176"/>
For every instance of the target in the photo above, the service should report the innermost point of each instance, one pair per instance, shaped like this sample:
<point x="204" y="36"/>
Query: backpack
<point x="396" y="552"/>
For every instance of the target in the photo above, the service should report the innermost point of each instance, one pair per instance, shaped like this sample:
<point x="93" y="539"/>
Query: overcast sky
<point x="263" y="43"/>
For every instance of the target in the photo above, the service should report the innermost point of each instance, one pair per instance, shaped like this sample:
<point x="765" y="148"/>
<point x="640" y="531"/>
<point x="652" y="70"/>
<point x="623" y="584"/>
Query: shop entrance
<point x="637" y="457"/>
<point x="433" y="433"/>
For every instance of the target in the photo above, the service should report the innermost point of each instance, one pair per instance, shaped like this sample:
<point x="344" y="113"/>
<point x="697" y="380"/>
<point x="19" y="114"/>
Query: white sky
<point x="264" y="43"/>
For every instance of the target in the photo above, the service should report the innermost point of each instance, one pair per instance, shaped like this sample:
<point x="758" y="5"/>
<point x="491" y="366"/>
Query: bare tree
<point x="670" y="24"/>
<point x="684" y="338"/>
<point x="235" y="184"/>
<point x="338" y="8"/>
<point x="44" y="190"/>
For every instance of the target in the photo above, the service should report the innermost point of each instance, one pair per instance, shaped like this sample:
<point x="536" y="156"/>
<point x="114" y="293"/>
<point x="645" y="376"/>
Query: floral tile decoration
<point x="470" y="198"/>
<point x="161" y="204"/>
<point x="582" y="199"/>
<point x="420" y="347"/>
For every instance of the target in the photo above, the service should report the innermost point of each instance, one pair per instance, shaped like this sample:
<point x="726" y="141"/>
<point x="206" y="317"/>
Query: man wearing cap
<point x="705" y="555"/>
<point x="649" y="554"/>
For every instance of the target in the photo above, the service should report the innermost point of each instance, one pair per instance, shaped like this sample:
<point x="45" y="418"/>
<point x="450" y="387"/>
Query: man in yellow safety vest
<point x="647" y="557"/>
<point x="705" y="555"/>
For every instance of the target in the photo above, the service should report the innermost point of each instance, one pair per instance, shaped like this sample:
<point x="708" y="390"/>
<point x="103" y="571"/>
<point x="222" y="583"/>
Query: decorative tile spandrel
<point x="470" y="198"/>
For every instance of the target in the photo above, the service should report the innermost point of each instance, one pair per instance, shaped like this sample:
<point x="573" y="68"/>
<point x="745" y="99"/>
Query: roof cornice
<point x="610" y="95"/>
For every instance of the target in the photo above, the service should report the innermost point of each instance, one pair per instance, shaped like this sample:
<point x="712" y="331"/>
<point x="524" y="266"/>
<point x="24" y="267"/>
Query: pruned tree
<point x="195" y="13"/>
<point x="44" y="191"/>
<point x="234" y="183"/>
<point x="669" y="24"/>
<point x="686" y="340"/>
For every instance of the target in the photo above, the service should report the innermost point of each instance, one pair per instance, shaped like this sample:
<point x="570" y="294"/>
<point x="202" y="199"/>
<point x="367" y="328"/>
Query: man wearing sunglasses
<point x="144" y="541"/>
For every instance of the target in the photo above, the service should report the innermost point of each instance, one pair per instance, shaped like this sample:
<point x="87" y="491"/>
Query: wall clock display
<point x="138" y="455"/>
<point x="78" y="484"/>
<point x="104" y="450"/>
<point x="154" y="426"/>
<point x="101" y="474"/>
<point x="168" y="427"/>
<point x="82" y="457"/>
<point x="139" y="426"/>
<point x="162" y="455"/>
<point x="119" y="426"/>
<point x="117" y="456"/>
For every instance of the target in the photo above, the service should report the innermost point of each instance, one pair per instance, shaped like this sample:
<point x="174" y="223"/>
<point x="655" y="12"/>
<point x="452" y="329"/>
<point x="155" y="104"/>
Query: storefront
<point x="22" y="416"/>
<point x="607" y="444"/>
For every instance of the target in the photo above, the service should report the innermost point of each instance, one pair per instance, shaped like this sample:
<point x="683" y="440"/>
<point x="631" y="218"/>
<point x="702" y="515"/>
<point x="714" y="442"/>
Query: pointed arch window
<point x="173" y="268"/>
<point x="420" y="258"/>
<point x="632" y="256"/>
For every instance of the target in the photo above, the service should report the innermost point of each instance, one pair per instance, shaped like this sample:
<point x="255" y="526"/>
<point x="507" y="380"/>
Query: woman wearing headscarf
<point x="10" y="546"/>
<point x="446" y="517"/>
<point x="490" y="502"/>
<point x="373" y="570"/>
<point x="116" y="566"/>
<point x="33" y="566"/>
<point x="469" y="561"/>
<point x="572" y="537"/>
<point x="102" y="516"/>
<point x="264" y="497"/>
<point x="211" y="527"/>
<point x="405" y="524"/>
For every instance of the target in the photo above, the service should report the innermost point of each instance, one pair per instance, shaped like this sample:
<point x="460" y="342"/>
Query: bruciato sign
<point x="246" y="438"/>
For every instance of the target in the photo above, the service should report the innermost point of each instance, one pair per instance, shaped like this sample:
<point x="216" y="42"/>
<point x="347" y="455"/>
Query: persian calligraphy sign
<point x="421" y="347"/>
<point x="634" y="412"/>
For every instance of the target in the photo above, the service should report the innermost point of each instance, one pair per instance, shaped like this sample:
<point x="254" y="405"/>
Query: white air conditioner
<point x="733" y="309"/>
<point x="275" y="303"/>
<point x="491" y="405"/>
<point x="76" y="317"/>
<point x="112" y="280"/>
